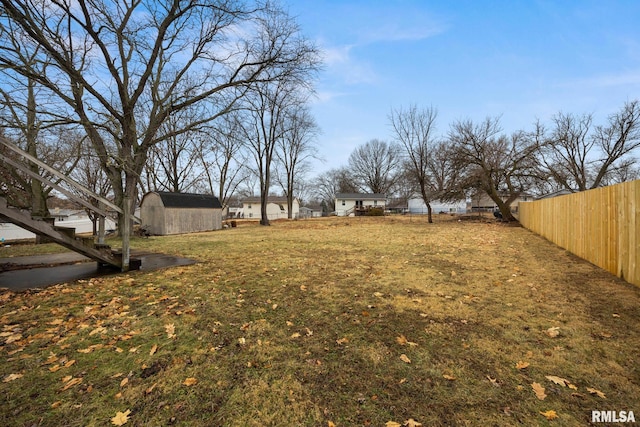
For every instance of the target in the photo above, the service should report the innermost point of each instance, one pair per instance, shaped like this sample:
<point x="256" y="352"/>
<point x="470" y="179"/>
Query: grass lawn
<point x="345" y="322"/>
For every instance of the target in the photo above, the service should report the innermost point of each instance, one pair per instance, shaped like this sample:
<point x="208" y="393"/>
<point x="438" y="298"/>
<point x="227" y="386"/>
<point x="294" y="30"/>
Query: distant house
<point x="164" y="213"/>
<point x="482" y="202"/>
<point x="418" y="206"/>
<point x="312" y="211"/>
<point x="276" y="208"/>
<point x="562" y="192"/>
<point x="351" y="204"/>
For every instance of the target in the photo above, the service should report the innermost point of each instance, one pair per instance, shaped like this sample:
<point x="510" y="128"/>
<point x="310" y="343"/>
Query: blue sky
<point x="520" y="60"/>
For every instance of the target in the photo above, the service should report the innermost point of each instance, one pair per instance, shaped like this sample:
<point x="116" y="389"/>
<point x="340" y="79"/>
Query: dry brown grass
<point x="306" y="323"/>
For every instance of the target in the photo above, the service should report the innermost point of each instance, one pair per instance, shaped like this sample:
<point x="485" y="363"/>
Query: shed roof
<point x="188" y="200"/>
<point x="361" y="196"/>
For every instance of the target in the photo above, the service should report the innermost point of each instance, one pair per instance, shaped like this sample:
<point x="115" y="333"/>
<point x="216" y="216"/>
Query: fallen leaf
<point x="303" y="287"/>
<point x="153" y="350"/>
<point x="98" y="330"/>
<point x="54" y="368"/>
<point x="190" y="381"/>
<point x="150" y="389"/>
<point x="597" y="392"/>
<point x="55" y="404"/>
<point x="121" y="418"/>
<point x="11" y="377"/>
<point x="331" y="424"/>
<point x="539" y="390"/>
<point x="404" y="358"/>
<point x="553" y="332"/>
<point x="71" y="383"/>
<point x="124" y="381"/>
<point x="550" y="415"/>
<point x="171" y="330"/>
<point x="342" y="341"/>
<point x="560" y="381"/>
<point x="69" y="363"/>
<point x="13" y="338"/>
<point x="295" y="335"/>
<point x="522" y="365"/>
<point x="379" y="295"/>
<point x="412" y="423"/>
<point x="494" y="381"/>
<point x="392" y="424"/>
<point x="449" y="377"/>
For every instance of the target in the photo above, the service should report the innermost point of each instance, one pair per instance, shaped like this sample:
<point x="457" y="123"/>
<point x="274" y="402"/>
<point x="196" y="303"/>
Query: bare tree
<point x="89" y="173"/>
<point x="414" y="130"/>
<point x="295" y="148"/>
<point x="125" y="68"/>
<point x="224" y="158"/>
<point x="494" y="163"/>
<point x="332" y="182"/>
<point x="262" y="130"/>
<point x="30" y="118"/>
<point x="375" y="166"/>
<point x="170" y="165"/>
<point x="579" y="156"/>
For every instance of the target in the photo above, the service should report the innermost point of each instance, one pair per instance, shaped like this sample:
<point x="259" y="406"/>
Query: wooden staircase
<point x="66" y="236"/>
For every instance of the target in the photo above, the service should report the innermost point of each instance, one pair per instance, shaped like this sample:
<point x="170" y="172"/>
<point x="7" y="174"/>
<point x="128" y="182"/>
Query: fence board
<point x="600" y="225"/>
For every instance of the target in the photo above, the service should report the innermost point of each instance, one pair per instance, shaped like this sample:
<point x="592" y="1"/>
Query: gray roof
<point x="188" y="200"/>
<point x="361" y="196"/>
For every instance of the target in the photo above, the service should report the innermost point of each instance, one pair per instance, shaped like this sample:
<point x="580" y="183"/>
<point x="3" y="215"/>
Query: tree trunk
<point x="264" y="219"/>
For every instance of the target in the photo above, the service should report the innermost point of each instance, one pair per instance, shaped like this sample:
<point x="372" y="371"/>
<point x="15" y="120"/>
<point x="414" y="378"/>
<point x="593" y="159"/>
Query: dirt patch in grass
<point x="354" y="321"/>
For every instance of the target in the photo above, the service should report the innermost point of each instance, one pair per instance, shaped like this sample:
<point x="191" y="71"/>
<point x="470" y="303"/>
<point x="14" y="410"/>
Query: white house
<point x="351" y="204"/>
<point x="417" y="206"/>
<point x="276" y="208"/>
<point x="482" y="201"/>
<point x="77" y="219"/>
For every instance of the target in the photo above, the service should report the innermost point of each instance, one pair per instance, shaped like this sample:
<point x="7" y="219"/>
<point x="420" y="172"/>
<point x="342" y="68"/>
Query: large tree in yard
<point x="414" y="130"/>
<point x="502" y="166"/>
<point x="578" y="156"/>
<point x="124" y="68"/>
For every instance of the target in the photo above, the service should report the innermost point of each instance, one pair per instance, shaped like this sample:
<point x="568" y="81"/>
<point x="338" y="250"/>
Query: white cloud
<point x="345" y="67"/>
<point x="396" y="33"/>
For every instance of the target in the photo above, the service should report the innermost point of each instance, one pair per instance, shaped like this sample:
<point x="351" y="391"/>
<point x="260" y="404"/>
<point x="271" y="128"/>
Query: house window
<point x="375" y="203"/>
<point x="250" y="215"/>
<point x="343" y="203"/>
<point x="249" y="206"/>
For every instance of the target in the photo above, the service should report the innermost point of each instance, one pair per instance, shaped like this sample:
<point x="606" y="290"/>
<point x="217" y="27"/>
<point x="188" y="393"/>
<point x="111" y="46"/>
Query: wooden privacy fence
<point x="600" y="225"/>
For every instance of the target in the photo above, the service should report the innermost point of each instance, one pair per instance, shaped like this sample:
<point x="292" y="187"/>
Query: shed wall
<point x="181" y="220"/>
<point x="152" y="214"/>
